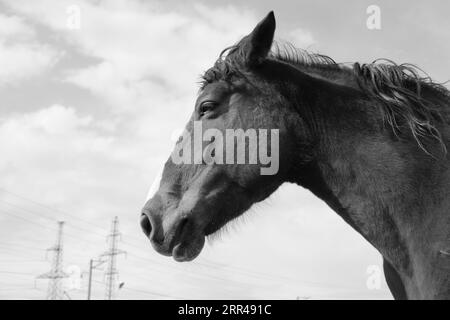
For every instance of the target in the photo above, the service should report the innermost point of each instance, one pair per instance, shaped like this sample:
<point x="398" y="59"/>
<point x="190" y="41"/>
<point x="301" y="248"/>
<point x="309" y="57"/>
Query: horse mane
<point x="397" y="87"/>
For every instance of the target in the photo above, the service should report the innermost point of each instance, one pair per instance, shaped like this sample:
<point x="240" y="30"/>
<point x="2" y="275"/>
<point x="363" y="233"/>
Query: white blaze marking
<point x="176" y="134"/>
<point x="155" y="185"/>
<point x="157" y="181"/>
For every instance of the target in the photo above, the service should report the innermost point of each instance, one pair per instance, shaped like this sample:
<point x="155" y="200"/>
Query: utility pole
<point x="92" y="266"/>
<point x="111" y="273"/>
<point x="56" y="274"/>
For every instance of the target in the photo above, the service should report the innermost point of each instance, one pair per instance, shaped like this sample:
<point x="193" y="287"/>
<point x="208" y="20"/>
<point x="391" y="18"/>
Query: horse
<point x="368" y="139"/>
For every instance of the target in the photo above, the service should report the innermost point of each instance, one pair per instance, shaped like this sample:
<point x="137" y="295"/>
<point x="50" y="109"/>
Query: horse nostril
<point x="146" y="225"/>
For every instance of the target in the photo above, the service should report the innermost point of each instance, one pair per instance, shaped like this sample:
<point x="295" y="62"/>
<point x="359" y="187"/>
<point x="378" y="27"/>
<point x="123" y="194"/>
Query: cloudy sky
<point x="87" y="116"/>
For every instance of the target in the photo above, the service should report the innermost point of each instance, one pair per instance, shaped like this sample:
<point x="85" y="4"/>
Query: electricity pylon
<point x="56" y="274"/>
<point x="111" y="273"/>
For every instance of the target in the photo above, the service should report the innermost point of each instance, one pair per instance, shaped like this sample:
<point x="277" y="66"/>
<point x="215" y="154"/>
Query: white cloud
<point x="21" y="54"/>
<point x="147" y="62"/>
<point x="143" y="50"/>
<point x="14" y="26"/>
<point x="56" y="119"/>
<point x="46" y="149"/>
<point x="24" y="61"/>
<point x="301" y="38"/>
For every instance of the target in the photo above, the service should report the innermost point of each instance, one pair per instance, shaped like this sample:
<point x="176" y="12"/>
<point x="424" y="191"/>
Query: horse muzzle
<point x="177" y="236"/>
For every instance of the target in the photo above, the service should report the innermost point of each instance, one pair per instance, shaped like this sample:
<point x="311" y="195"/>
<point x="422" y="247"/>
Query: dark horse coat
<point x="370" y="140"/>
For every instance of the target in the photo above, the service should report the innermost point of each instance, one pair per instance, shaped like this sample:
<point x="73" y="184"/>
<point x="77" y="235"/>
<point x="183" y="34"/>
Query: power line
<point x="50" y="208"/>
<point x="130" y="244"/>
<point x="28" y="211"/>
<point x="14" y="215"/>
<point x="48" y="217"/>
<point x="17" y="253"/>
<point x="52" y="219"/>
<point x="17" y="245"/>
<point x="60" y="211"/>
<point x="139" y="240"/>
<point x="232" y="268"/>
<point x="209" y="265"/>
<point x="19" y="261"/>
<point x="27" y="220"/>
<point x="16" y="273"/>
<point x="153" y="293"/>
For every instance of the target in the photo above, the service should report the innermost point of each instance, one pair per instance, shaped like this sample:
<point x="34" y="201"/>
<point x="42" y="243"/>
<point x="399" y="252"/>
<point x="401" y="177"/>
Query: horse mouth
<point x="187" y="242"/>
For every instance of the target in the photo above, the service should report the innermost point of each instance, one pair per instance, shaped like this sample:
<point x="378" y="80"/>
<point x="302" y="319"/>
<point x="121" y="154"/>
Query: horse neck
<point x="391" y="193"/>
<point x="394" y="206"/>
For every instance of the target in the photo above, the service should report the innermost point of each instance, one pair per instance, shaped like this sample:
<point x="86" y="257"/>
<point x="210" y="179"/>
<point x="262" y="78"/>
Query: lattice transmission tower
<point x="56" y="274"/>
<point x="111" y="272"/>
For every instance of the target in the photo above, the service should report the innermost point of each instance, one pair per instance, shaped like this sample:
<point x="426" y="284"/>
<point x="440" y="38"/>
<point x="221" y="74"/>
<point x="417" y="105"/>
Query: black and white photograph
<point x="246" y="152"/>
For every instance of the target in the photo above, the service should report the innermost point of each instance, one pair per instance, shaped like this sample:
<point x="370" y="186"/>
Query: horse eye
<point x="207" y="106"/>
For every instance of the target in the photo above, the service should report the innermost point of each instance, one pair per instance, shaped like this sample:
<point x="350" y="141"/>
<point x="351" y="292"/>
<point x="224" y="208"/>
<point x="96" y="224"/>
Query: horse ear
<point x="258" y="43"/>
